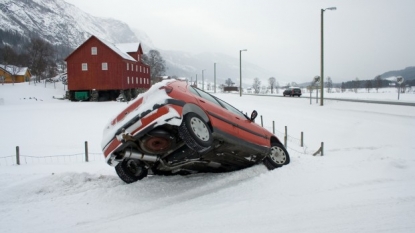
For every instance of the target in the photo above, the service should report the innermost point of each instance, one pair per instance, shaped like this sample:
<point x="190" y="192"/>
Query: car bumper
<point x="169" y="113"/>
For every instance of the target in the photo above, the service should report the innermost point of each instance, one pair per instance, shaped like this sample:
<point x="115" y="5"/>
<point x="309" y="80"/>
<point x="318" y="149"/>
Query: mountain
<point x="408" y="73"/>
<point x="189" y="65"/>
<point x="61" y="23"/>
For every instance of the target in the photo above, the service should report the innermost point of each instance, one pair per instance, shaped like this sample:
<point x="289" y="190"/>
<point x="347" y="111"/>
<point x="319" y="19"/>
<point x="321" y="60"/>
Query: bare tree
<point x="257" y="85"/>
<point x="277" y="87"/>
<point x="329" y="84"/>
<point x="229" y="82"/>
<point x="368" y="85"/>
<point x="378" y="82"/>
<point x="156" y="63"/>
<point x="355" y="84"/>
<point x="272" y="82"/>
<point x="40" y="54"/>
<point x="343" y="87"/>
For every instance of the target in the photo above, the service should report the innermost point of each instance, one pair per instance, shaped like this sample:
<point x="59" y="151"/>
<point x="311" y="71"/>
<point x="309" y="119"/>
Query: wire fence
<point x="293" y="145"/>
<point x="52" y="159"/>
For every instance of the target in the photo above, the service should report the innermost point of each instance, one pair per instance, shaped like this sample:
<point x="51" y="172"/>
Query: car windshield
<point x="217" y="101"/>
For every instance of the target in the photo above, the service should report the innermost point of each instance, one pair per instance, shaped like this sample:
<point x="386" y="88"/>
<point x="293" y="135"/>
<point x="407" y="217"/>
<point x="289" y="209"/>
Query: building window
<point x="141" y="80"/>
<point x="84" y="66"/>
<point x="104" y="66"/>
<point x="136" y="80"/>
<point x="94" y="51"/>
<point x="140" y="69"/>
<point x="136" y="68"/>
<point x="128" y="66"/>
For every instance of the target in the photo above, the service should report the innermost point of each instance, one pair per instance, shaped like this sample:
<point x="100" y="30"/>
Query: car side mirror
<point x="254" y="114"/>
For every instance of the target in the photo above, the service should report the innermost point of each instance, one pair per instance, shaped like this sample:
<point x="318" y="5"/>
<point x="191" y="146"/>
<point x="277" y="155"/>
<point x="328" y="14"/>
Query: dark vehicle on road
<point x="175" y="128"/>
<point x="292" y="91"/>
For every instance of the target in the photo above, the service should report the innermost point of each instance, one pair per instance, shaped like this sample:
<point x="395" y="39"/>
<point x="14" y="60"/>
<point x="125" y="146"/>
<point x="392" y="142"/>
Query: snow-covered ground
<point x="363" y="183"/>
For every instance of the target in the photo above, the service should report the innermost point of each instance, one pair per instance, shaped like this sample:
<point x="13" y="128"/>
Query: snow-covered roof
<point x="12" y="69"/>
<point x="113" y="47"/>
<point x="128" y="47"/>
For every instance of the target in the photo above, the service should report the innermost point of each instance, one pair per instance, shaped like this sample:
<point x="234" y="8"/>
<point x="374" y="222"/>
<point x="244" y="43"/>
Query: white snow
<point x="363" y="183"/>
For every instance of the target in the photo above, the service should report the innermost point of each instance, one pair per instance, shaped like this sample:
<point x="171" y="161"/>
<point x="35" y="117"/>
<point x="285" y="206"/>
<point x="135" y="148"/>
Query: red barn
<point x="99" y="70"/>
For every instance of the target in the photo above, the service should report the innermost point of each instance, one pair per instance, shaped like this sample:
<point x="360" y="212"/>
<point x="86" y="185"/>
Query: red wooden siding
<point x="117" y="77"/>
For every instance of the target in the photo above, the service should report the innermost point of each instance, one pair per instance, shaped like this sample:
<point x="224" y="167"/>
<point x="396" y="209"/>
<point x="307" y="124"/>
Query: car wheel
<point x="195" y="132"/>
<point x="277" y="157"/>
<point x="131" y="170"/>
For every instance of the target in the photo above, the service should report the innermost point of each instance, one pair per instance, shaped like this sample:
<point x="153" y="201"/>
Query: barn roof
<point x="117" y="50"/>
<point x="128" y="47"/>
<point x="113" y="47"/>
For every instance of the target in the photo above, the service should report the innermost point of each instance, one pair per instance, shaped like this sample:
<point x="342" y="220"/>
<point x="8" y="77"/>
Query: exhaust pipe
<point x="142" y="156"/>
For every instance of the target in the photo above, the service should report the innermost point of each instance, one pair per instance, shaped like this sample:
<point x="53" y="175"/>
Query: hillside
<point x="59" y="22"/>
<point x="408" y="73"/>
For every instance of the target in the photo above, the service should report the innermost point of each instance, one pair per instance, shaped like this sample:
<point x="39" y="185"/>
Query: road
<point x="353" y="100"/>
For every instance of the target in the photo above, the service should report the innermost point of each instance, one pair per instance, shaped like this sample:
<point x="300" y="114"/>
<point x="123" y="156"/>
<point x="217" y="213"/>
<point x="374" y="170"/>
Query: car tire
<point x="277" y="157"/>
<point x="131" y="170"/>
<point x="195" y="132"/>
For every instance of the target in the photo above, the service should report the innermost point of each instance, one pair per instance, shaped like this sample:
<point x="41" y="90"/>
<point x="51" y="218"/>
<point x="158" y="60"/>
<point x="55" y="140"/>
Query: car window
<point x="205" y="96"/>
<point x="191" y="89"/>
<point x="217" y="101"/>
<point x="231" y="108"/>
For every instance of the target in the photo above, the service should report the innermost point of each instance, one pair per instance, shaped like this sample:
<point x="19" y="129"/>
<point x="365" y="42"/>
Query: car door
<point x="218" y="115"/>
<point x="247" y="130"/>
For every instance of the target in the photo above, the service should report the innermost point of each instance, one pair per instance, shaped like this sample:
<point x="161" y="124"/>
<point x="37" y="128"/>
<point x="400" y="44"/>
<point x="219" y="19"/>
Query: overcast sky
<point x="362" y="38"/>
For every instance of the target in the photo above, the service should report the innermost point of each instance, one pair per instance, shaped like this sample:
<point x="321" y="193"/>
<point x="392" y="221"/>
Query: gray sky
<point x="362" y="38"/>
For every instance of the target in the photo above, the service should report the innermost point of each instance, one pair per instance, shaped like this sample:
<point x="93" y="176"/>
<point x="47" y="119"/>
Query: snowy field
<point x="363" y="183"/>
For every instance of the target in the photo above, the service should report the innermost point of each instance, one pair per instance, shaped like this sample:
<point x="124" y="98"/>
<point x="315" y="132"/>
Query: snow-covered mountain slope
<point x="62" y="23"/>
<point x="59" y="22"/>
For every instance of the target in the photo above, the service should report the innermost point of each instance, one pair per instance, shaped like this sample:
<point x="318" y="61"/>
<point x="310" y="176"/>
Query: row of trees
<point x="377" y="83"/>
<point x="37" y="54"/>
<point x="273" y="85"/>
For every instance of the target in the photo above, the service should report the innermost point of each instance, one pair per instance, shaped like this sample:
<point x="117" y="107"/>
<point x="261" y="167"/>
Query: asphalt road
<point x="352" y="100"/>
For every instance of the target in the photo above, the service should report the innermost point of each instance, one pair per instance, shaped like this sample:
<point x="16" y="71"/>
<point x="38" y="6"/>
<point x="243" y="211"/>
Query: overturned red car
<point x="175" y="128"/>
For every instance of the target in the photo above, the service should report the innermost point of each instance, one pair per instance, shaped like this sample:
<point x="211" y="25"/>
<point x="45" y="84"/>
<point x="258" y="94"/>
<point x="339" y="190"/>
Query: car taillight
<point x="168" y="89"/>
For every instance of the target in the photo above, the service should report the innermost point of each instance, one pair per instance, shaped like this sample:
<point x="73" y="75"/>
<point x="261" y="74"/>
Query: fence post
<point x="302" y="139"/>
<point x="262" y="122"/>
<point x="273" y="127"/>
<point x="285" y="137"/>
<point x="17" y="155"/>
<point x="86" y="151"/>
<point x="322" y="148"/>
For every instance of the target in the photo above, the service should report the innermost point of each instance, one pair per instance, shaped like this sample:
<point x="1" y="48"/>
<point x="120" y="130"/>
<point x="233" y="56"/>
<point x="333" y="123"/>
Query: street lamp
<point x="203" y="81"/>
<point x="322" y="55"/>
<point x="240" y="71"/>
<point x="214" y="77"/>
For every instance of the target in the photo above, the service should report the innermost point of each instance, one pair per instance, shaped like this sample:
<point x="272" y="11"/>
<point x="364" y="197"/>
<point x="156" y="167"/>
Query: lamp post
<point x="203" y="81"/>
<point x="214" y="77"/>
<point x="240" y="71"/>
<point x="322" y="55"/>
